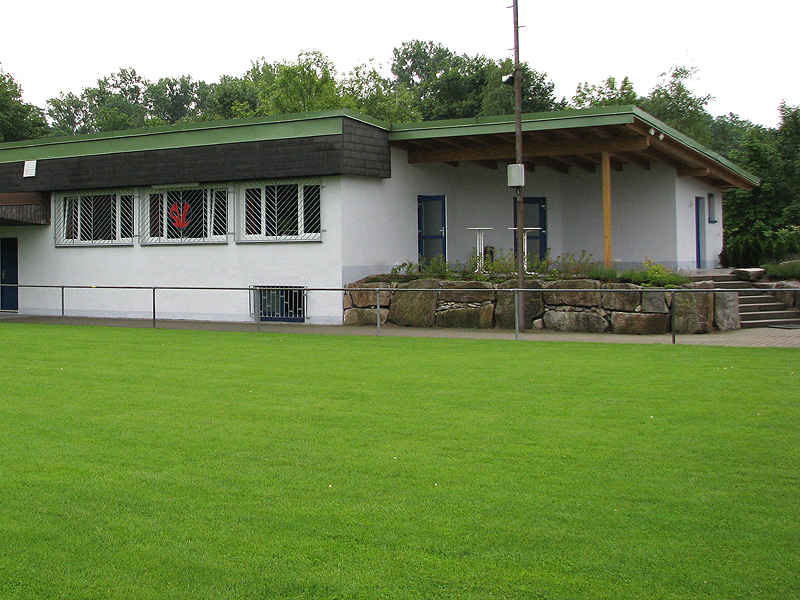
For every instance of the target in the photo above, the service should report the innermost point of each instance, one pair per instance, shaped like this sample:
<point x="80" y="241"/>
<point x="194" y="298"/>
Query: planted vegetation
<point x="504" y="267"/>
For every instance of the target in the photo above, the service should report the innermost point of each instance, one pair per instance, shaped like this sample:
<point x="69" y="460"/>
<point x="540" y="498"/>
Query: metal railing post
<point x="63" y="318"/>
<point x="672" y="316"/>
<point x="378" y="309"/>
<point x="154" y="307"/>
<point x="516" y="314"/>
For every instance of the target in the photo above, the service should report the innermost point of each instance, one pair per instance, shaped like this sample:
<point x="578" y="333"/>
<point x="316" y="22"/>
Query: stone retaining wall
<point x="787" y="292"/>
<point x="611" y="307"/>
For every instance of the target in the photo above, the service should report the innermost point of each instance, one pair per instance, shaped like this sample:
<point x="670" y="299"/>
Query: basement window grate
<point x="280" y="303"/>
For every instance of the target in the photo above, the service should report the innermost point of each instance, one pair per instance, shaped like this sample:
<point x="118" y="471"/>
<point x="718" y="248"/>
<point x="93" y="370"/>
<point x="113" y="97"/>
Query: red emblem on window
<point x="179" y="214"/>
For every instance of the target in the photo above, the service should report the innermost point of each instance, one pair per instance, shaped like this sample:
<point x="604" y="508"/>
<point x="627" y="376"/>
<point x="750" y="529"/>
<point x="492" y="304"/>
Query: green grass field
<point x="191" y="465"/>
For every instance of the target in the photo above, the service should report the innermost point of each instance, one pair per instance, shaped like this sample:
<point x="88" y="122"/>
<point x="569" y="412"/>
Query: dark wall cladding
<point x="366" y="150"/>
<point x="25" y="214"/>
<point x="361" y="150"/>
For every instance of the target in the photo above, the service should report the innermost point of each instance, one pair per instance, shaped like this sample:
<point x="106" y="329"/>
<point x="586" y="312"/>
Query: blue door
<point x="431" y="226"/>
<point x="9" y="296"/>
<point x="535" y="218"/>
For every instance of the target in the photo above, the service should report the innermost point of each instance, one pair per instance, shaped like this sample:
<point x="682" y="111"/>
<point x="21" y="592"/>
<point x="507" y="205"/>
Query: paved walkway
<point x="761" y="337"/>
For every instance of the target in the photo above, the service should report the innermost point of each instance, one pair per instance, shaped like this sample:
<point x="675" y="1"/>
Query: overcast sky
<point x="746" y="58"/>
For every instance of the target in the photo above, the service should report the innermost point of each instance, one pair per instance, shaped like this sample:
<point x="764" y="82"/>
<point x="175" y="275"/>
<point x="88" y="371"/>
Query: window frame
<point x="158" y="201"/>
<point x="308" y="211"/>
<point x="712" y="208"/>
<point x="72" y="208"/>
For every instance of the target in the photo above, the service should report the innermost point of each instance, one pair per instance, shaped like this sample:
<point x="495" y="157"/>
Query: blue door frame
<point x="9" y="274"/>
<point x="432" y="227"/>
<point x="535" y="216"/>
<point x="700" y="231"/>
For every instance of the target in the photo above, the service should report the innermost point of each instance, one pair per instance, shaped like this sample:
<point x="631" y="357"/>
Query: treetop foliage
<point x="18" y="120"/>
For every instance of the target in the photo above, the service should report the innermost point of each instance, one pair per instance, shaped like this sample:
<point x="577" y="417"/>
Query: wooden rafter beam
<point x="636" y="159"/>
<point x="489" y="164"/>
<point x="694" y="172"/>
<point x="554" y="163"/>
<point x="530" y="150"/>
<point x="580" y="162"/>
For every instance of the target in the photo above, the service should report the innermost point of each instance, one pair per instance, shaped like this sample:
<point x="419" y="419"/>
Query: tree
<point x="445" y="85"/>
<point x="173" y="100"/>
<point x="364" y="89"/>
<point x="605" y="94"/>
<point x="118" y="102"/>
<point x="674" y="103"/>
<point x="18" y="120"/>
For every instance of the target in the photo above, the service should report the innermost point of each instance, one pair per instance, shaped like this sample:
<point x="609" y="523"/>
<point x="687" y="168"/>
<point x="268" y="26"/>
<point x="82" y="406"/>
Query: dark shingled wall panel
<point x="366" y="150"/>
<point x="362" y="150"/>
<point x="25" y="214"/>
<point x="272" y="159"/>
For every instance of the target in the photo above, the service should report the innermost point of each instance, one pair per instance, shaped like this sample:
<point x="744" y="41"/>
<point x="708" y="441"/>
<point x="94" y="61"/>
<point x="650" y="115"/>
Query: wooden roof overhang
<point x="568" y="140"/>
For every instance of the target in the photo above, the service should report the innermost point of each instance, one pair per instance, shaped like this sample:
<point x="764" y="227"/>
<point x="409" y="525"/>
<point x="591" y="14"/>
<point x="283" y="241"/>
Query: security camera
<point x="508" y="79"/>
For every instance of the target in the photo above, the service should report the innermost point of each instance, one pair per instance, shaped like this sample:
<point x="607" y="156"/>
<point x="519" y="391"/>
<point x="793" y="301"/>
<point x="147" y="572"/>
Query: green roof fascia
<point x="696" y="146"/>
<point x="564" y="119"/>
<point x="208" y="133"/>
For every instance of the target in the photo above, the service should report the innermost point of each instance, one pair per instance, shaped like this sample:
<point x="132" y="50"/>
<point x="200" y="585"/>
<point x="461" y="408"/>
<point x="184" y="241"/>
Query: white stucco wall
<point x="307" y="264"/>
<point x="688" y="189"/>
<point x="380" y="217"/>
<point x="642" y="214"/>
<point x="369" y="226"/>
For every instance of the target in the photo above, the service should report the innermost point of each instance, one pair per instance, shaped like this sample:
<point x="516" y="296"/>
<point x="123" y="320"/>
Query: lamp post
<point x="519" y="181"/>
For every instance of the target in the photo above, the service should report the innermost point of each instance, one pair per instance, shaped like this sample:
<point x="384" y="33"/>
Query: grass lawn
<point x="190" y="465"/>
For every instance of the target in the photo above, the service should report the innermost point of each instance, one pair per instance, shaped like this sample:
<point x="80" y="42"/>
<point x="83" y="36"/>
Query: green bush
<point x="654" y="275"/>
<point x="760" y="246"/>
<point x="784" y="271"/>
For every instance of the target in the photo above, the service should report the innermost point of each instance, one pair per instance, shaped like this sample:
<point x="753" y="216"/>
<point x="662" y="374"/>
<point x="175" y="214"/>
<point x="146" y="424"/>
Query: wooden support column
<point x="607" y="241"/>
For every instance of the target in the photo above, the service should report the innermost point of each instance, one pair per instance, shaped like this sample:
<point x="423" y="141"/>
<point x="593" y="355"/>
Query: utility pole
<point x="520" y="166"/>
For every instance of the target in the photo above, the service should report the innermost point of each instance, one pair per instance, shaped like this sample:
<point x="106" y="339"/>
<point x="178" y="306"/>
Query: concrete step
<point x="770" y="315"/>
<point x="761" y="307"/>
<point x="755" y="299"/>
<point x="769" y="323"/>
<point x="713" y="277"/>
<point x="733" y="285"/>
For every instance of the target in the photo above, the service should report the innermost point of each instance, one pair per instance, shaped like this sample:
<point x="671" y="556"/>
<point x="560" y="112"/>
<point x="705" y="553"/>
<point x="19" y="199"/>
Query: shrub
<point x="653" y="274"/>
<point x="783" y="271"/>
<point x="755" y="248"/>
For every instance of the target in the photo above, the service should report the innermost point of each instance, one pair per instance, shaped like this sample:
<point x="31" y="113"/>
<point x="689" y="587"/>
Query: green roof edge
<point x="183" y="135"/>
<point x="202" y="133"/>
<point x="606" y="115"/>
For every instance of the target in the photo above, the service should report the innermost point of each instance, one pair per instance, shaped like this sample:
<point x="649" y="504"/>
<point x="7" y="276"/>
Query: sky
<point x="746" y="58"/>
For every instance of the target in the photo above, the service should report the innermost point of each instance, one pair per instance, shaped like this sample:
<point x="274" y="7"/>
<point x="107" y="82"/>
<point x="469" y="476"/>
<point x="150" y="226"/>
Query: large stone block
<point x="694" y="311"/>
<point x="788" y="293"/>
<point x="364" y="316"/>
<point x="366" y="297"/>
<point x="749" y="274"/>
<point x="413" y="305"/>
<point x="654" y="302"/>
<point x="471" y="318"/>
<point x="587" y="322"/>
<point x="726" y="311"/>
<point x="504" y="316"/>
<point x="583" y="298"/>
<point x="626" y="301"/>
<point x="465" y="292"/>
<point x="639" y="323"/>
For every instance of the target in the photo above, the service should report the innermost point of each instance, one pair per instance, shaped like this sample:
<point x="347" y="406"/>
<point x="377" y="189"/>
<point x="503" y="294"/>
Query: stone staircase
<point x="757" y="308"/>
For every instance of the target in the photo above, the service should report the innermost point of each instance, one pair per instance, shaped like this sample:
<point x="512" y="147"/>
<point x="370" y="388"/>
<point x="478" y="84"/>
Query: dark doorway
<point x="536" y="219"/>
<point x="9" y="275"/>
<point x="432" y="227"/>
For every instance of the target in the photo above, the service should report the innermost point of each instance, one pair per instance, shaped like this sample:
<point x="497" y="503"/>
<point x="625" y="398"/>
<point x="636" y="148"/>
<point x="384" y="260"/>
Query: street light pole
<point x="520" y="202"/>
